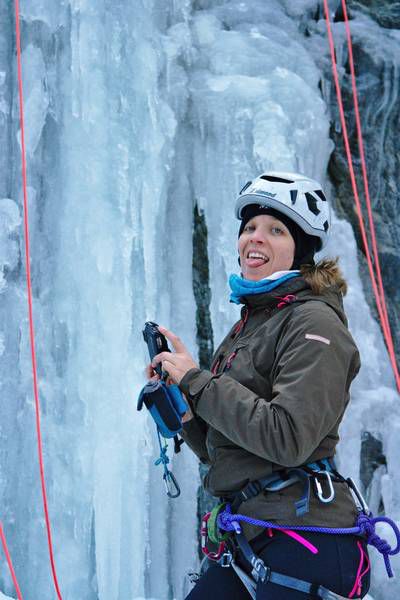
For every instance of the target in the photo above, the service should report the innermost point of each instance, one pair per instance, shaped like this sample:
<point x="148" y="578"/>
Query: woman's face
<point x="265" y="246"/>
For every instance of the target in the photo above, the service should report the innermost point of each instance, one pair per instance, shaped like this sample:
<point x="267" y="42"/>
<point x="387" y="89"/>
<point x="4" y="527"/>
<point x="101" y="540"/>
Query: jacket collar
<point x="266" y="299"/>
<point x="300" y="288"/>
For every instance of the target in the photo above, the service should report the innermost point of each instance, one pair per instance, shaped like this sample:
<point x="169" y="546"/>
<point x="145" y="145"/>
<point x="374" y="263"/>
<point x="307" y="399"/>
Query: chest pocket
<point x="225" y="364"/>
<point x="241" y="365"/>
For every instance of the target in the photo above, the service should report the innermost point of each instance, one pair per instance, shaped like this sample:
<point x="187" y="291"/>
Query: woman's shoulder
<point x="318" y="313"/>
<point x="323" y="298"/>
<point x="324" y="276"/>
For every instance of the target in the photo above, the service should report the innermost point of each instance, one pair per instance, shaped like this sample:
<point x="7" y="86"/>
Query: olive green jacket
<point x="274" y="398"/>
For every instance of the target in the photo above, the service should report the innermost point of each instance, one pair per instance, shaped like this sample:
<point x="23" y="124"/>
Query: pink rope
<point x="358" y="582"/>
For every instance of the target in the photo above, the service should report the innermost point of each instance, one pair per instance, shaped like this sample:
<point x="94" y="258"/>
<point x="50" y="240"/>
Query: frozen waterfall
<point x="135" y="112"/>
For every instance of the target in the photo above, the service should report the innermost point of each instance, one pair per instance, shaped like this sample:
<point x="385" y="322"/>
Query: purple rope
<point x="365" y="525"/>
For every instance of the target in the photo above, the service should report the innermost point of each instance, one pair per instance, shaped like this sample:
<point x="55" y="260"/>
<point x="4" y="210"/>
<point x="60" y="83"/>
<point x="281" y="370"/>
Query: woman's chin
<point x="255" y="274"/>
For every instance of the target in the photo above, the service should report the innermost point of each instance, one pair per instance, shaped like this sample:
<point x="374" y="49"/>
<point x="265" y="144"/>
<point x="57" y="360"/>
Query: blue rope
<point x="171" y="485"/>
<point x="163" y="459"/>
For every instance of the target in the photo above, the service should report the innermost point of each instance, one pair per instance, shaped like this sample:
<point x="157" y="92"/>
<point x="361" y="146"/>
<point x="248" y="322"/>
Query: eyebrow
<point x="275" y="220"/>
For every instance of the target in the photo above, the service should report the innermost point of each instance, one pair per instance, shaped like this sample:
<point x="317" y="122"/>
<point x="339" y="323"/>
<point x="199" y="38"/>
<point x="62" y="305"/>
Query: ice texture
<point x="4" y="597"/>
<point x="134" y="112"/>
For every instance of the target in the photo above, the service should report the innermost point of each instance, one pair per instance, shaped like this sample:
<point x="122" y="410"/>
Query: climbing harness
<point x="365" y="525"/>
<point x="322" y="474"/>
<point x="167" y="406"/>
<point x="311" y="473"/>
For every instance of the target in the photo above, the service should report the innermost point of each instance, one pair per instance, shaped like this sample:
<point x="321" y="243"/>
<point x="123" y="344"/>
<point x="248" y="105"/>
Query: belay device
<point x="165" y="404"/>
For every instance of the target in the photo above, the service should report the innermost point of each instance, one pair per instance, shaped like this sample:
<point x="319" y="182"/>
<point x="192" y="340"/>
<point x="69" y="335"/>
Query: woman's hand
<point x="151" y="374"/>
<point x="179" y="360"/>
<point x="177" y="363"/>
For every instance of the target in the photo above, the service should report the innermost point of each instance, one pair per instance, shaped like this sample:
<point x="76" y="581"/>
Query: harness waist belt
<point x="283" y="479"/>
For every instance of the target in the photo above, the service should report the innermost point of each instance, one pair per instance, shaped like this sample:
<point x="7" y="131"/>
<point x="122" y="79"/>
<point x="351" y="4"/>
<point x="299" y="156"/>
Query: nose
<point x="258" y="236"/>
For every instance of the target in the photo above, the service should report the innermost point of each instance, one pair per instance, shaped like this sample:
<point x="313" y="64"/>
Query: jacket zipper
<point x="240" y="326"/>
<point x="235" y="335"/>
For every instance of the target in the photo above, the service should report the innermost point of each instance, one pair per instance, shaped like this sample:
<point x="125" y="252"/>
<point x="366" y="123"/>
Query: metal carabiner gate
<point x="320" y="492"/>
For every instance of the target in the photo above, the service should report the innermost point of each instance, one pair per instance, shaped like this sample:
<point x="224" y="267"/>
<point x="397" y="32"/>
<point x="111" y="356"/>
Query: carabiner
<point x="320" y="492"/>
<point x="358" y="495"/>
<point x="204" y="539"/>
<point x="171" y="485"/>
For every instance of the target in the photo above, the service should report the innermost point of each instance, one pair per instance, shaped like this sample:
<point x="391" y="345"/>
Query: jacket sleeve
<point x="315" y="362"/>
<point x="194" y="433"/>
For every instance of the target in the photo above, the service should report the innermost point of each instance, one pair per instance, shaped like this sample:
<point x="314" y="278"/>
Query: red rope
<point x="380" y="300"/>
<point x="28" y="279"/>
<point x="364" y="167"/>
<point x="9" y="561"/>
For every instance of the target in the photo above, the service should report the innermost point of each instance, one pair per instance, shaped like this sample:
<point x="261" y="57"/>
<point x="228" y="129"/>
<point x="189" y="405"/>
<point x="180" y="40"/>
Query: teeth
<point x="257" y="255"/>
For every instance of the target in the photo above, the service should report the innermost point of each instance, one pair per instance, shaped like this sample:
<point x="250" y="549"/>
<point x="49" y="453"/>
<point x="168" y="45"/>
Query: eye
<point x="276" y="228"/>
<point x="249" y="228"/>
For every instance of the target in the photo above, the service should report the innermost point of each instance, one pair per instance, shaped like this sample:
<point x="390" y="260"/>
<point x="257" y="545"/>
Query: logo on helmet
<point x="264" y="193"/>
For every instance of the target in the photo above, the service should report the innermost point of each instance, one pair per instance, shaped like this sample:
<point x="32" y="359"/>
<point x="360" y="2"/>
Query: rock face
<point x="376" y="50"/>
<point x="384" y="12"/>
<point x="201" y="289"/>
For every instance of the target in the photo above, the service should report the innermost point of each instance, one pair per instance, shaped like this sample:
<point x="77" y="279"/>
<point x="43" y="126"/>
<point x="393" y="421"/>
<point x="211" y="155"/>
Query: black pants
<point x="339" y="560"/>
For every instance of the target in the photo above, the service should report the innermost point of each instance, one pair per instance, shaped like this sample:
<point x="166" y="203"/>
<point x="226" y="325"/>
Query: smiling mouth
<point x="256" y="259"/>
<point x="257" y="255"/>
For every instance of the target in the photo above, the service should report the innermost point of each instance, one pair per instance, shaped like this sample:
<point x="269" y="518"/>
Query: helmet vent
<point x="320" y="194"/>
<point x="246" y="185"/>
<point x="293" y="196"/>
<point x="312" y="203"/>
<point x="326" y="225"/>
<point x="276" y="179"/>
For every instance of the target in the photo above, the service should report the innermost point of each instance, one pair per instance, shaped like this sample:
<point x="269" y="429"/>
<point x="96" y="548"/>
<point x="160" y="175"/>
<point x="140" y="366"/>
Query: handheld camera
<point x="156" y="343"/>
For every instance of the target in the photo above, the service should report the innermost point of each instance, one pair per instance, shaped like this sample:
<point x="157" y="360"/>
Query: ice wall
<point x="101" y="142"/>
<point x="135" y="111"/>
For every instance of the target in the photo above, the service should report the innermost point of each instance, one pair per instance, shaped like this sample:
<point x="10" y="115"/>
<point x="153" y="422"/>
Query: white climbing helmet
<point x="298" y="197"/>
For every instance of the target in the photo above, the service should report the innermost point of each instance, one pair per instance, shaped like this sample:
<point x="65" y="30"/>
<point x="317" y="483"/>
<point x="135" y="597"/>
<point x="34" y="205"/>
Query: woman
<point x="271" y="405"/>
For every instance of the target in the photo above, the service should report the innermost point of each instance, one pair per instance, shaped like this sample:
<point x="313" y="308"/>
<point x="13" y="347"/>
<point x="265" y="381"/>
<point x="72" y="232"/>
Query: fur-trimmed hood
<point x="324" y="274"/>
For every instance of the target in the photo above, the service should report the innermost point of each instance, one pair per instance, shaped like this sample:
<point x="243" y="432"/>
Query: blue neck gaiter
<point x="244" y="287"/>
